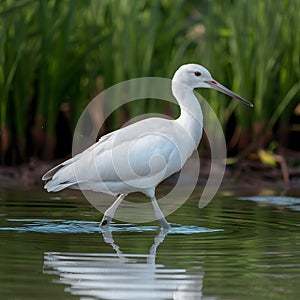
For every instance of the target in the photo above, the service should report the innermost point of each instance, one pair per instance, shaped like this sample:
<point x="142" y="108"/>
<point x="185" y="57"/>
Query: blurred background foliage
<point x="56" y="55"/>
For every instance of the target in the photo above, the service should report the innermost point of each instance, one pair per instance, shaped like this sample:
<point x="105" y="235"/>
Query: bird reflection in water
<point x="122" y="276"/>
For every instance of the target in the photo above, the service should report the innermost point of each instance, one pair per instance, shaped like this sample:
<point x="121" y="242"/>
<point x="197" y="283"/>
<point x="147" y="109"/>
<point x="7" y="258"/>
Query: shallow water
<point x="243" y="245"/>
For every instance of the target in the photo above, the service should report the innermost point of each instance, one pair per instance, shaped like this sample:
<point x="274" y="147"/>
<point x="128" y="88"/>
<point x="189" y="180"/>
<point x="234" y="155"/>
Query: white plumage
<point x="136" y="158"/>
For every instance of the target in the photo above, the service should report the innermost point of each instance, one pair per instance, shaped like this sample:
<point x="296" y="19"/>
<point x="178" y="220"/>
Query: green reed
<point x="68" y="51"/>
<point x="256" y="46"/>
<point x="145" y="39"/>
<point x="12" y="58"/>
<point x="58" y="51"/>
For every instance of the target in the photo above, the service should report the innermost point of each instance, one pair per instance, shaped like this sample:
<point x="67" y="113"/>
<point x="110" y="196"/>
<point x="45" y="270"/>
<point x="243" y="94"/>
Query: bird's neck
<point x="191" y="117"/>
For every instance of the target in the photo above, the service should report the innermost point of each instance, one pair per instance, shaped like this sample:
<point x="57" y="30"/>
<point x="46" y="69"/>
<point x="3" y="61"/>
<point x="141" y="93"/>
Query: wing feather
<point x="137" y="152"/>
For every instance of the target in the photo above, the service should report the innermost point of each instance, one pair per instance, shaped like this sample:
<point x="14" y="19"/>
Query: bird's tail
<point x="59" y="178"/>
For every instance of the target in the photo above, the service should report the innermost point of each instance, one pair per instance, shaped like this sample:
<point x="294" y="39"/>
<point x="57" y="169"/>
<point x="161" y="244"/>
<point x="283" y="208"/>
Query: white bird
<point x="156" y="148"/>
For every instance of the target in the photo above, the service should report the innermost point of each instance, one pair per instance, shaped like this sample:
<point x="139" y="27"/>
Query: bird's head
<point x="196" y="76"/>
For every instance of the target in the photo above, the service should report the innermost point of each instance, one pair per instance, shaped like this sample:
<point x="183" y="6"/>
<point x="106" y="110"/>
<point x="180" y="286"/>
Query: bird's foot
<point x="105" y="222"/>
<point x="164" y="224"/>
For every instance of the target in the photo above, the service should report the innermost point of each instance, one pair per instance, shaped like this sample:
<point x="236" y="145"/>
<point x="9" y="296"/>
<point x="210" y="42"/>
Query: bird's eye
<point x="197" y="73"/>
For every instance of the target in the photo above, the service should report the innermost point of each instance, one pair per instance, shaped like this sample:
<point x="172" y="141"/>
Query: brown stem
<point x="5" y="141"/>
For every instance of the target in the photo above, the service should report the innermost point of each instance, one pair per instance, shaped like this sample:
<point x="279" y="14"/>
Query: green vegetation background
<point x="56" y="55"/>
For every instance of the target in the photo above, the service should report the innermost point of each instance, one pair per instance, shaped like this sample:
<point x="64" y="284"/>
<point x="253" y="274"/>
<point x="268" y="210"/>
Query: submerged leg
<point x="109" y="213"/>
<point x="159" y="214"/>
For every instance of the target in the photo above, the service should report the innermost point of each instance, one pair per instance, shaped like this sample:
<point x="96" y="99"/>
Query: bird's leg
<point x="108" y="238"/>
<point x="109" y="213"/>
<point x="159" y="214"/>
<point x="157" y="241"/>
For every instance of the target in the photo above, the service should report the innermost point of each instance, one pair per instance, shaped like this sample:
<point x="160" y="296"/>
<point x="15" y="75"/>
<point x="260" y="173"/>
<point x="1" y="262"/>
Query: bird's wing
<point x="142" y="150"/>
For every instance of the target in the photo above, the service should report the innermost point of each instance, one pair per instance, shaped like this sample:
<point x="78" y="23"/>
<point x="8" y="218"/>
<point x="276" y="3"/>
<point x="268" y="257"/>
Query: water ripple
<point x="76" y="226"/>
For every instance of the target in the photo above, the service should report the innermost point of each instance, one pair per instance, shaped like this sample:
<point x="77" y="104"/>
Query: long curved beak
<point x="221" y="88"/>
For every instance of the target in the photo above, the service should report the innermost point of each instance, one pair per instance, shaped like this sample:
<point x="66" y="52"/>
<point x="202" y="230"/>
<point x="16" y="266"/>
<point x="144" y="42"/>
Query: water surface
<point x="243" y="245"/>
